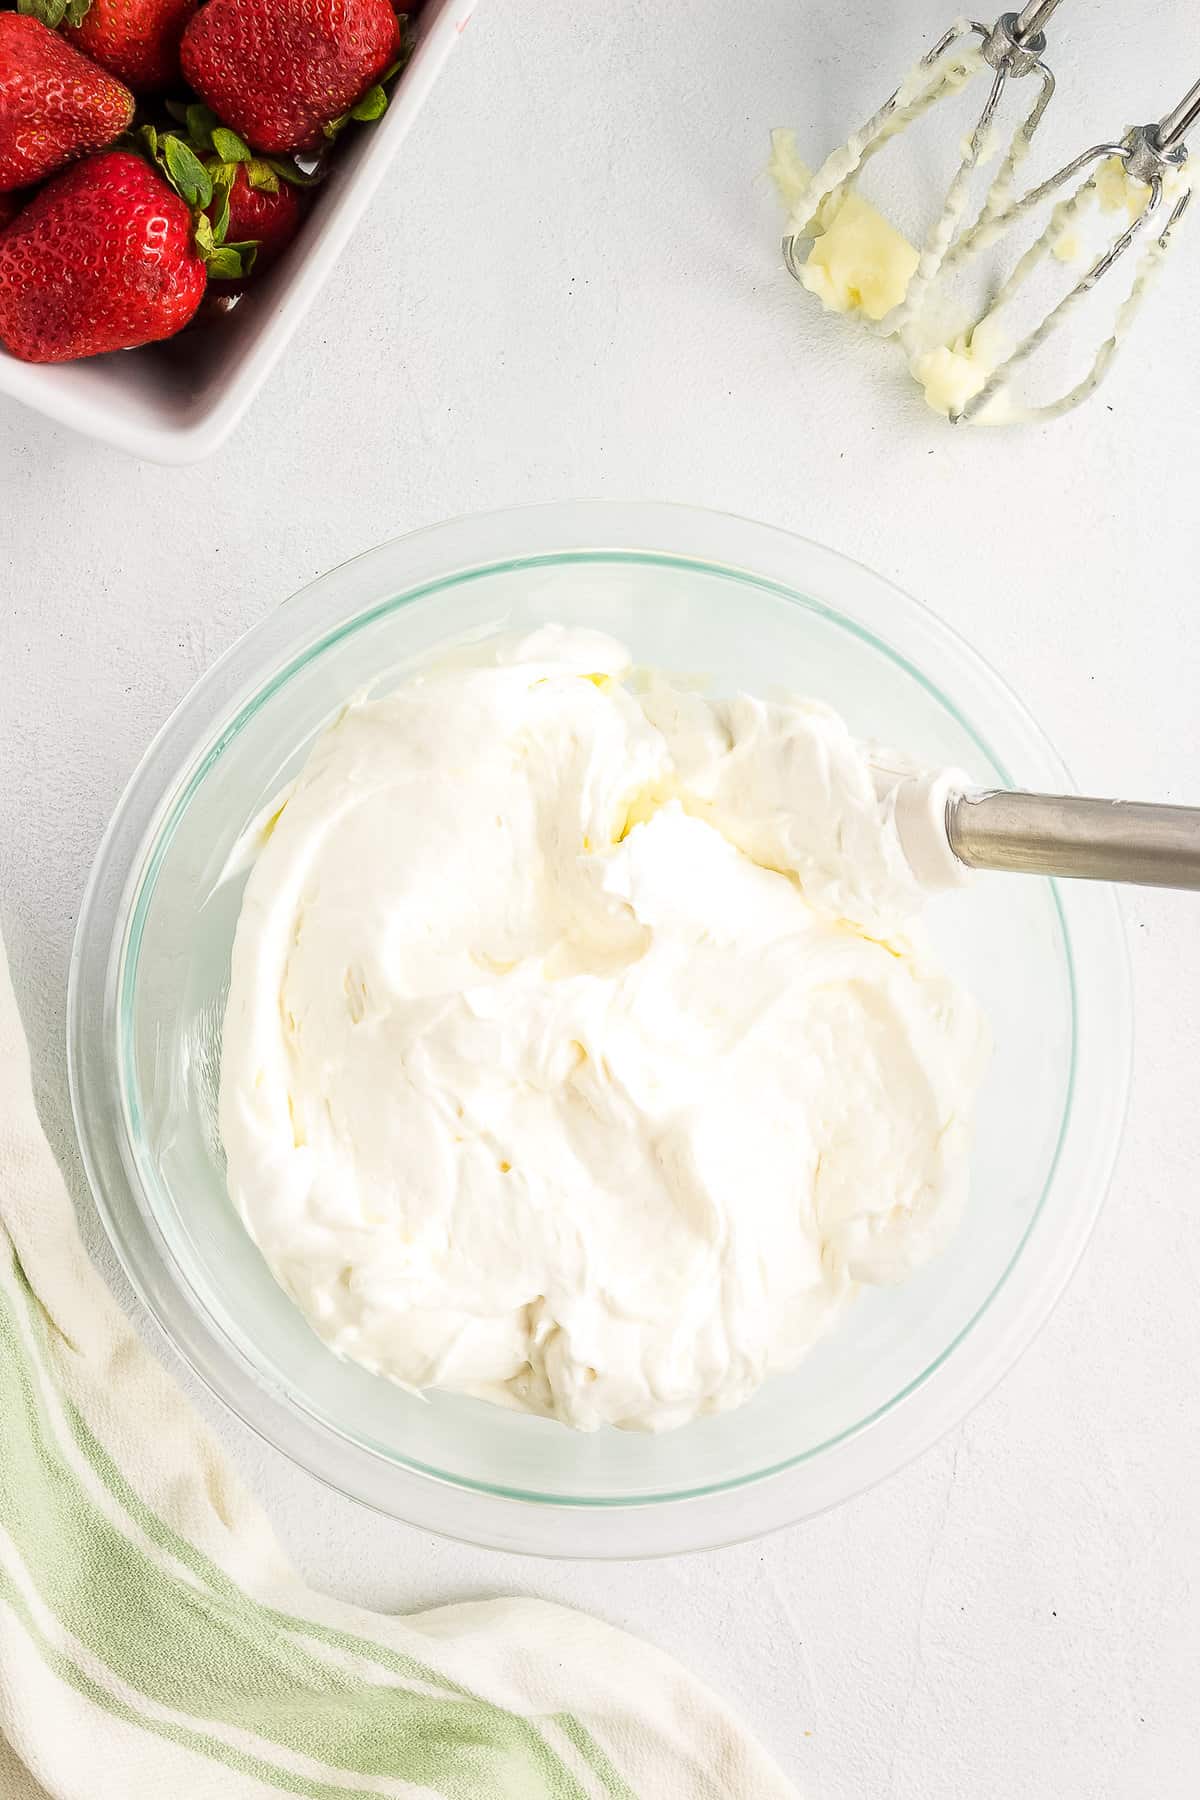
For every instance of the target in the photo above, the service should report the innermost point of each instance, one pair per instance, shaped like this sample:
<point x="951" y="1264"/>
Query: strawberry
<point x="137" y="39"/>
<point x="102" y="258"/>
<point x="282" y="73"/>
<point x="265" y="212"/>
<point x="254" y="198"/>
<point x="54" y="104"/>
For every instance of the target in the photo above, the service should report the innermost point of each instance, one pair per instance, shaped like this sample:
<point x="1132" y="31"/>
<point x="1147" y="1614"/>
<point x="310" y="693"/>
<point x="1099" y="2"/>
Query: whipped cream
<point x="577" y="1053"/>
<point x="859" y="262"/>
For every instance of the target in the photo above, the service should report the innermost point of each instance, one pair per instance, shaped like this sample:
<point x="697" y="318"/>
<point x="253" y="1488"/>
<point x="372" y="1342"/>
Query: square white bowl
<point x="178" y="401"/>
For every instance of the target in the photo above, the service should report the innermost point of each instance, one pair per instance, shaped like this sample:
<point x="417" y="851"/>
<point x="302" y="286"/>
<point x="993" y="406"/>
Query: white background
<point x="570" y="287"/>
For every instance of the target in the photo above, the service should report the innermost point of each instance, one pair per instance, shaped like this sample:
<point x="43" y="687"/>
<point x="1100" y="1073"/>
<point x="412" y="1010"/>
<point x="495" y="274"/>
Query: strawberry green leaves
<point x="219" y="215"/>
<point x="179" y="163"/>
<point x="224" y="151"/>
<point x="374" y="102"/>
<point x="55" y="12"/>
<point x="206" y="192"/>
<point x="225" y="262"/>
<point x="228" y="145"/>
<point x="372" y="106"/>
<point x="189" y="177"/>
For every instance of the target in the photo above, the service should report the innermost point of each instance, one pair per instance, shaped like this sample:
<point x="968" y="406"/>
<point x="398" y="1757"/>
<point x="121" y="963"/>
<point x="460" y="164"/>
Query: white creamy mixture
<point x="576" y="1053"/>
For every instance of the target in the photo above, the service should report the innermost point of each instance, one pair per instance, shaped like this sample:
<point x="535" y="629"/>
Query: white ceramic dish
<point x="177" y="402"/>
<point x="752" y="608"/>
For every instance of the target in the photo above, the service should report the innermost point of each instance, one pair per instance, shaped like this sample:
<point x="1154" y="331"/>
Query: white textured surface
<point x="572" y="287"/>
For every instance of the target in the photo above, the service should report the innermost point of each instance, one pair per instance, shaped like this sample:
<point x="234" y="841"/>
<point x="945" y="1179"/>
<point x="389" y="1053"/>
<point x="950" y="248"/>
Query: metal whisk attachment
<point x="1153" y="156"/>
<point x="1011" y="50"/>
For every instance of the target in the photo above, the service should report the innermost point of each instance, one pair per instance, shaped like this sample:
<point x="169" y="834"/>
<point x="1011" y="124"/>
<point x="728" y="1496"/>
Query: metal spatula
<point x="946" y="829"/>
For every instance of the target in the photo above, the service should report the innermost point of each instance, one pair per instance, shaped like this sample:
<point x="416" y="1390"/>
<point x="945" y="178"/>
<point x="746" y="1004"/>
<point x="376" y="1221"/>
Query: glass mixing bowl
<point x="749" y="607"/>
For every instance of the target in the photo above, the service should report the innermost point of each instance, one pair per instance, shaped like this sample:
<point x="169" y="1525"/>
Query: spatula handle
<point x="1069" y="835"/>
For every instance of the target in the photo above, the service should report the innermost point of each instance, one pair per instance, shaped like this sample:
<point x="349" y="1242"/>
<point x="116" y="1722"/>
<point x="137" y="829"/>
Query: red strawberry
<point x="54" y="103"/>
<point x="279" y="71"/>
<point x="261" y="213"/>
<point x="102" y="258"/>
<point x="137" y="39"/>
<point x="250" y="205"/>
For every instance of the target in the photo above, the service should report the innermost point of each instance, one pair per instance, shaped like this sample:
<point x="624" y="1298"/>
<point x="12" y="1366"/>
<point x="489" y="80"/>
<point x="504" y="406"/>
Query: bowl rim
<point x="145" y="1177"/>
<point x="443" y="556"/>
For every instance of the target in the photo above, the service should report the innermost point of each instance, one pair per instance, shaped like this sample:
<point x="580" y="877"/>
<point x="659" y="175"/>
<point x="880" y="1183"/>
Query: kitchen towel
<point x="156" y="1645"/>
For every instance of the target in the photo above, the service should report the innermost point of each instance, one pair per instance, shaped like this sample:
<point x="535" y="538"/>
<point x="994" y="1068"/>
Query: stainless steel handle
<point x="1174" y="126"/>
<point x="1068" y="835"/>
<point x="1032" y="19"/>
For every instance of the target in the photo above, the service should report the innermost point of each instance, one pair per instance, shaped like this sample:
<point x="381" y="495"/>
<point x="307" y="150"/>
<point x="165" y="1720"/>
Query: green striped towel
<point x="156" y="1645"/>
